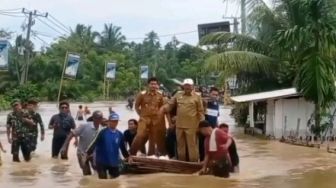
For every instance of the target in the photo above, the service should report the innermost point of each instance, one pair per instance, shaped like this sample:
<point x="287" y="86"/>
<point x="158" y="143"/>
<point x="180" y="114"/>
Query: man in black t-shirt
<point x="62" y="123"/>
<point x="130" y="133"/>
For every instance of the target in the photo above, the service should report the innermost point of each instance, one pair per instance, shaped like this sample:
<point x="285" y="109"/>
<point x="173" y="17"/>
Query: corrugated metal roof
<point x="266" y="95"/>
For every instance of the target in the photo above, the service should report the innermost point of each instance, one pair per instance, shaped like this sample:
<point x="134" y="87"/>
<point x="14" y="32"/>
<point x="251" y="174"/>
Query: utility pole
<point x="235" y="23"/>
<point x="24" y="74"/>
<point x="243" y="16"/>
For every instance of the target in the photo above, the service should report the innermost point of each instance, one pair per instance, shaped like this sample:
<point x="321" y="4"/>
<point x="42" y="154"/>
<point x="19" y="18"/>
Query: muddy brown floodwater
<point x="264" y="164"/>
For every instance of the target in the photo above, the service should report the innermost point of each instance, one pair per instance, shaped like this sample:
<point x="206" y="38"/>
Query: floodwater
<point x="264" y="164"/>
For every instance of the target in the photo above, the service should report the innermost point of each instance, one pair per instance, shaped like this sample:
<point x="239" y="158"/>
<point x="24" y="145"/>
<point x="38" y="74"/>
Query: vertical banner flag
<point x="4" y="47"/>
<point x="72" y="64"/>
<point x="144" y="72"/>
<point x="111" y="70"/>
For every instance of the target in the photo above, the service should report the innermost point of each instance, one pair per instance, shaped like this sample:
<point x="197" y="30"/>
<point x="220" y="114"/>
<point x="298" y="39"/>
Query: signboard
<point x="4" y="48"/>
<point x="144" y="72"/>
<point x="71" y="66"/>
<point x="204" y="29"/>
<point x="111" y="70"/>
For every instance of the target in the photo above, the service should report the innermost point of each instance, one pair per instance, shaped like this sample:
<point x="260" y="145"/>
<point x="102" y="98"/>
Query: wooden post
<point x="104" y="88"/>
<point x="61" y="82"/>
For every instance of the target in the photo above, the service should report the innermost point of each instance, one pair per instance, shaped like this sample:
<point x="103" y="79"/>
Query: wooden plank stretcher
<point x="141" y="165"/>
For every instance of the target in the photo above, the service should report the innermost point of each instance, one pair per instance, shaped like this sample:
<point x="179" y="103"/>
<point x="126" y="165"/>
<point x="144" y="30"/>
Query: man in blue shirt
<point x="106" y="146"/>
<point x="211" y="116"/>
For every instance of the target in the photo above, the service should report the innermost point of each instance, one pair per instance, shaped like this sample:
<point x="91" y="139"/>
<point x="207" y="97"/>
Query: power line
<point x="55" y="24"/>
<point x="8" y="10"/>
<point x="37" y="37"/>
<point x="51" y="16"/>
<point x="51" y="27"/>
<point x="11" y="15"/>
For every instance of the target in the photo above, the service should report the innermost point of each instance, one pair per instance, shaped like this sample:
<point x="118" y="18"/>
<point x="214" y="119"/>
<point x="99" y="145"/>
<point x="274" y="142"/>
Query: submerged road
<point x="264" y="163"/>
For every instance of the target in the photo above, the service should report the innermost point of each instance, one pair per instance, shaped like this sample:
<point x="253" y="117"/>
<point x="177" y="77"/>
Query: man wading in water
<point x="36" y="117"/>
<point x="18" y="132"/>
<point x="86" y="133"/>
<point x="62" y="124"/>
<point x="216" y="151"/>
<point x="106" y="146"/>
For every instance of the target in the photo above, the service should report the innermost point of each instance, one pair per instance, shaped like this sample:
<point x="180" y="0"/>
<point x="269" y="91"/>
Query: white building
<point x="283" y="112"/>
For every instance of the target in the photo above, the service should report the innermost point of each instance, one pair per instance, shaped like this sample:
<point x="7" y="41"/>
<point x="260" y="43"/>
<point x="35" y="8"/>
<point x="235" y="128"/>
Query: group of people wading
<point x="193" y="132"/>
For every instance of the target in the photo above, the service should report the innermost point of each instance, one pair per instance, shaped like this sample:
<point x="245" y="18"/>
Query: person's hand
<point x="202" y="171"/>
<point x="75" y="143"/>
<point x="63" y="150"/>
<point x="10" y="141"/>
<point x="171" y="125"/>
<point x="130" y="160"/>
<point x="42" y="137"/>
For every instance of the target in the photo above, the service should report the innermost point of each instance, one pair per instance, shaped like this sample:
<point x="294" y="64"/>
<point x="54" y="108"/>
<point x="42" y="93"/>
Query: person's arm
<point x="169" y="106"/>
<point x="2" y="148"/>
<point x="40" y="122"/>
<point x="122" y="147"/>
<point x="200" y="109"/>
<point x="8" y="128"/>
<point x="205" y="164"/>
<point x="92" y="146"/>
<point x="137" y="105"/>
<point x="52" y="123"/>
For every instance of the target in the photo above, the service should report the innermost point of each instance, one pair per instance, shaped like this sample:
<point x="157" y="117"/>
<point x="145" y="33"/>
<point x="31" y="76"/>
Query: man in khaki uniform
<point x="151" y="124"/>
<point x="189" y="113"/>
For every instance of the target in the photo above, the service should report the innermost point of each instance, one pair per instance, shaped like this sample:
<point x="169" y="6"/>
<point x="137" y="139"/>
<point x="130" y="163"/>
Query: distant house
<point x="278" y="113"/>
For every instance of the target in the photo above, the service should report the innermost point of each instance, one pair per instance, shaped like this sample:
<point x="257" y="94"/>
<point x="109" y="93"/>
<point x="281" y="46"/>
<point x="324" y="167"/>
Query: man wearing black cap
<point x="62" y="123"/>
<point x="86" y="133"/>
<point x="36" y="117"/>
<point x="18" y="130"/>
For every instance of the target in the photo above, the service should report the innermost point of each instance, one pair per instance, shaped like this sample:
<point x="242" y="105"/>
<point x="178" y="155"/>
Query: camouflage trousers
<point x="23" y="143"/>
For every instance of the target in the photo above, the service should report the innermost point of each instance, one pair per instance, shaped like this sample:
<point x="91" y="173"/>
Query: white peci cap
<point x="188" y="81"/>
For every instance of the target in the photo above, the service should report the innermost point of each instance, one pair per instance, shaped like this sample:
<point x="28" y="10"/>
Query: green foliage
<point x="291" y="44"/>
<point x="96" y="49"/>
<point x="23" y="93"/>
<point x="240" y="113"/>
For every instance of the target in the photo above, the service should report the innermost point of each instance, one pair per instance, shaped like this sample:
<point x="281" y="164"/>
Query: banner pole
<point x="61" y="82"/>
<point x="108" y="89"/>
<point x="104" y="88"/>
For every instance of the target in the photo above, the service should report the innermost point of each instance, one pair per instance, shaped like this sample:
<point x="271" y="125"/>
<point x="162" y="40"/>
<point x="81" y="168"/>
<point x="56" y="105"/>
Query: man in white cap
<point x="190" y="112"/>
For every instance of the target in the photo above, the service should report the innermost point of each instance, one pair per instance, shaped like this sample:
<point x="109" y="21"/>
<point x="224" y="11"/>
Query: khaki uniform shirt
<point x="148" y="104"/>
<point x="190" y="109"/>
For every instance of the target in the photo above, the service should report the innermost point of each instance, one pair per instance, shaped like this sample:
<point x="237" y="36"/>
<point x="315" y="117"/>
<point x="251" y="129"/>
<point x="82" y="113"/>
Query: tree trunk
<point x="317" y="120"/>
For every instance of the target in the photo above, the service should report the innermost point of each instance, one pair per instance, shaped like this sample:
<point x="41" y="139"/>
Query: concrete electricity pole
<point x="243" y="16"/>
<point x="24" y="74"/>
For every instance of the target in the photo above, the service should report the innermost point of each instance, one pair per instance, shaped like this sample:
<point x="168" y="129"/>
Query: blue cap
<point x="114" y="117"/>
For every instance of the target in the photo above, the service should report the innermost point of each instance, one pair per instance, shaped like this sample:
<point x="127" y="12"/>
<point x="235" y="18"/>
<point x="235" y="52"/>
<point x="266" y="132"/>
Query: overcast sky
<point x="136" y="17"/>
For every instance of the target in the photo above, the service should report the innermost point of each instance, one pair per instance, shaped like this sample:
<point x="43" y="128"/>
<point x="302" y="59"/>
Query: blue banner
<point x="71" y="67"/>
<point x="111" y="70"/>
<point x="144" y="72"/>
<point x="4" y="48"/>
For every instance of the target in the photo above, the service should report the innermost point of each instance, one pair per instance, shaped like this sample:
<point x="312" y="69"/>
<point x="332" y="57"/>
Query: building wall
<point x="290" y="117"/>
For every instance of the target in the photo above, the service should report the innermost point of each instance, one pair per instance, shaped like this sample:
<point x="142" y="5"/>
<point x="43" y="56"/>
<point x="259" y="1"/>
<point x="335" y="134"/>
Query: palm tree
<point x="296" y="39"/>
<point x="111" y="38"/>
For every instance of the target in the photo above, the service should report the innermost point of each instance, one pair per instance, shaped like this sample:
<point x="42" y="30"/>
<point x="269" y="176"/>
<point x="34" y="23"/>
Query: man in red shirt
<point x="216" y="145"/>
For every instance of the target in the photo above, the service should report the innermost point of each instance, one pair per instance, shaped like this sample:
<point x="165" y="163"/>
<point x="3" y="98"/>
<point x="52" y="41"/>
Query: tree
<point x="295" y="41"/>
<point x="111" y="39"/>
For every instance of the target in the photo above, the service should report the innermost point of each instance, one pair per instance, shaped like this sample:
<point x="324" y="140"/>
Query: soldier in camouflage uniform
<point x="18" y="130"/>
<point x="36" y="117"/>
